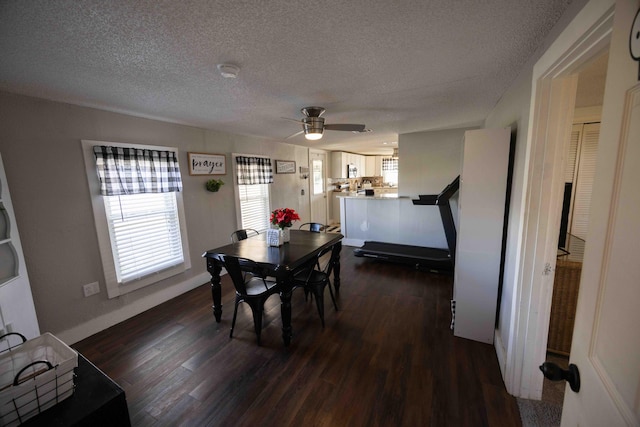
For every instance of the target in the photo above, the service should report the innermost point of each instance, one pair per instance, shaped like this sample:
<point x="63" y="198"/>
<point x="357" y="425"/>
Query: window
<point x="138" y="212"/>
<point x="254" y="206"/>
<point x="318" y="179"/>
<point x="145" y="233"/>
<point x="253" y="176"/>
<point x="390" y="171"/>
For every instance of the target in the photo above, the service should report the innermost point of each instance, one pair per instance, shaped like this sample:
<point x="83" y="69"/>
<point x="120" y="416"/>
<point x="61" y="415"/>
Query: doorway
<point x="318" y="187"/>
<point x="579" y="173"/>
<point x="555" y="82"/>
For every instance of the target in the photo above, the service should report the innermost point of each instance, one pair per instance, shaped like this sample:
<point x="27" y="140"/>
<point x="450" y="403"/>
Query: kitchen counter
<point x="354" y="195"/>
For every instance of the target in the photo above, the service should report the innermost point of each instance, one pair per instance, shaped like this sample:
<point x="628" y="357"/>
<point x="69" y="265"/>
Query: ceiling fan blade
<point x="293" y="120"/>
<point x="295" y="134"/>
<point x="346" y="127"/>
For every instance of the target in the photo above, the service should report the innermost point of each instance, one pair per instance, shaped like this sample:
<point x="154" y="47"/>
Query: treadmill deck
<point x="421" y="257"/>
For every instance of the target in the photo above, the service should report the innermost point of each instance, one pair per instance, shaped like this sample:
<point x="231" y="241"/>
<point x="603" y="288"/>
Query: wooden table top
<point x="302" y="247"/>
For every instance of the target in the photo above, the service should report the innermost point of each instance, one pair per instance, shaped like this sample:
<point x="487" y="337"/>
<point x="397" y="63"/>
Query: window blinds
<point x="145" y="233"/>
<point x="254" y="206"/>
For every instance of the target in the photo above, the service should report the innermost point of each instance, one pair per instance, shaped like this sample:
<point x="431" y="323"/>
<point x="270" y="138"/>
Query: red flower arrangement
<point x="284" y="217"/>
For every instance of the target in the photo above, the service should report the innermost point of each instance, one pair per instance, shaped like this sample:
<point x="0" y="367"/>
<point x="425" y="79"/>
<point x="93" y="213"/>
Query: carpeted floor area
<point x="538" y="413"/>
<point x="548" y="411"/>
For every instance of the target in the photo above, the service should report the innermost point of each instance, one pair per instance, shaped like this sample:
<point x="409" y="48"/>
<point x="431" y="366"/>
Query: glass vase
<point x="286" y="234"/>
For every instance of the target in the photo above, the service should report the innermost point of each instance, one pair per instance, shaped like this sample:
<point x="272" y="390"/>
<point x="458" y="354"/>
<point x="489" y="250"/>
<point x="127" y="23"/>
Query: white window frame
<point x="236" y="189"/>
<point x="114" y="288"/>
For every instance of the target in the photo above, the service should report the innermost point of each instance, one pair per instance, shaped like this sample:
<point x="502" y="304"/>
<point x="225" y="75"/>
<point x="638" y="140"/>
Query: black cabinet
<point x="96" y="401"/>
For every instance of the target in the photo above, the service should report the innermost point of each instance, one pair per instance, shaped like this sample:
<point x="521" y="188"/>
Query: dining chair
<point x="316" y="277"/>
<point x="242" y="234"/>
<point x="316" y="227"/>
<point x="254" y="288"/>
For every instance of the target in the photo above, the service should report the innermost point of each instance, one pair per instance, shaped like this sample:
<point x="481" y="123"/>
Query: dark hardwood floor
<point x="387" y="358"/>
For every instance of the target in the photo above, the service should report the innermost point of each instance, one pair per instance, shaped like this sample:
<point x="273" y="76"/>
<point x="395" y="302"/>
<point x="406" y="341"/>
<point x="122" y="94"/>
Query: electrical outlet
<point x="91" y="289"/>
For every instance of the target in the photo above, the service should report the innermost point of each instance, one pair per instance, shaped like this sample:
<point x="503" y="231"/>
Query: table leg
<point x="285" y="310"/>
<point x="214" y="268"/>
<point x="337" y="248"/>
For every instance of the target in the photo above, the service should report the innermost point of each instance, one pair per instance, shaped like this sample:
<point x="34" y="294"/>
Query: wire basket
<point x="34" y="376"/>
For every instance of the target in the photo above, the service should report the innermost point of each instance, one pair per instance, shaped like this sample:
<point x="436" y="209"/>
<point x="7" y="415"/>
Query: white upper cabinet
<point x="340" y="160"/>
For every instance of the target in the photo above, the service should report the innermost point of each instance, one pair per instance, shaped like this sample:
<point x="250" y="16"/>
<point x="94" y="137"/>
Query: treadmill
<point x="423" y="258"/>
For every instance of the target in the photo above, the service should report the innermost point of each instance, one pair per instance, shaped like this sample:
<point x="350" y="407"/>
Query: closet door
<point x="481" y="203"/>
<point x="17" y="312"/>
<point x="584" y="175"/>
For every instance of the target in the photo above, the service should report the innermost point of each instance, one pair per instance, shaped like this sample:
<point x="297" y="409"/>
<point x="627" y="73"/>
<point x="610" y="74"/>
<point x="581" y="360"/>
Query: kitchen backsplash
<point x="375" y="181"/>
<point x="353" y="184"/>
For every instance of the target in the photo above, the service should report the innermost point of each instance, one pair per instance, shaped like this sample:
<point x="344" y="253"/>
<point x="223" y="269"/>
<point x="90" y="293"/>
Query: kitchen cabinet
<point x="481" y="206"/>
<point x="340" y="160"/>
<point x="369" y="167"/>
<point x="16" y="302"/>
<point x="373" y="166"/>
<point x="338" y="164"/>
<point x="377" y="171"/>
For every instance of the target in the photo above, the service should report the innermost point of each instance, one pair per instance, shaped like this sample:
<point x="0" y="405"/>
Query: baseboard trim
<point x="352" y="242"/>
<point x="501" y="354"/>
<point x="100" y="323"/>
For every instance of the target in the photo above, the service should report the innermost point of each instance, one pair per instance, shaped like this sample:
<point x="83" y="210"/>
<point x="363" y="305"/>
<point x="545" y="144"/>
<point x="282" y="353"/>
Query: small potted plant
<point x="214" y="185"/>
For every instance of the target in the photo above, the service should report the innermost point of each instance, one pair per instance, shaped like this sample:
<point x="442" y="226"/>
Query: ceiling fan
<point x="313" y="125"/>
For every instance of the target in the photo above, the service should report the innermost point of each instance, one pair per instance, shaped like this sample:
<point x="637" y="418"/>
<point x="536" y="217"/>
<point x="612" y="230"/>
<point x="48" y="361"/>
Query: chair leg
<point x="319" y="291"/>
<point x="257" y="308"/>
<point x="235" y="314"/>
<point x="332" y="297"/>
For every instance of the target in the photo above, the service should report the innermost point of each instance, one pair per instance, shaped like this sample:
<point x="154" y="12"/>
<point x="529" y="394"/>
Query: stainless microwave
<point x="352" y="171"/>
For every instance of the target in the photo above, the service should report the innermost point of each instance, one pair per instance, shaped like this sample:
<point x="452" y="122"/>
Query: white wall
<point x="40" y="145"/>
<point x="428" y="162"/>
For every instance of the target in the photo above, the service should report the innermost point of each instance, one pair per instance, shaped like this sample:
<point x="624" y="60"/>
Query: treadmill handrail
<point x="438" y="199"/>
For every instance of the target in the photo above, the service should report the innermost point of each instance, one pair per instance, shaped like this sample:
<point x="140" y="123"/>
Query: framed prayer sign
<point x="207" y="164"/>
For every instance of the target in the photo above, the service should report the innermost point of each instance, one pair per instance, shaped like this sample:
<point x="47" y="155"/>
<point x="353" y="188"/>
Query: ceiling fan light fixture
<point x="313" y="127"/>
<point x="313" y="136"/>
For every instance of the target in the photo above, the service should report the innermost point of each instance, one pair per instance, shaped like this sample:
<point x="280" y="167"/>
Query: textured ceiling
<point x="396" y="66"/>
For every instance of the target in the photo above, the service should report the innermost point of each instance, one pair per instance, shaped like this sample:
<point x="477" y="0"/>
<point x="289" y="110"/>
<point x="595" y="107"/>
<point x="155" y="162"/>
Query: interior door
<point x="318" y="187"/>
<point x="606" y="347"/>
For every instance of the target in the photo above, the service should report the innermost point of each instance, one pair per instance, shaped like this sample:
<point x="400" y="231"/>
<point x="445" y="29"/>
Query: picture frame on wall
<point x="285" y="166"/>
<point x="207" y="164"/>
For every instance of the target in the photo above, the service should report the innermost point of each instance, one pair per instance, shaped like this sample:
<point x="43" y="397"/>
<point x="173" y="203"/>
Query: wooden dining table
<point x="280" y="262"/>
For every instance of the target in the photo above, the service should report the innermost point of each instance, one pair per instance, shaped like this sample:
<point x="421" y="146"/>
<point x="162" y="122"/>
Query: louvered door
<point x="586" y="138"/>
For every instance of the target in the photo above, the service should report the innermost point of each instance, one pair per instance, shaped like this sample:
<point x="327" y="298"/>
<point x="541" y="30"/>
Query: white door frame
<point x="551" y="115"/>
<point x="325" y="167"/>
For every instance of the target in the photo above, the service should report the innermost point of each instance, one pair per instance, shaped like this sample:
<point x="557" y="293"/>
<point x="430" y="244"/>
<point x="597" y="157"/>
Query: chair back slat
<point x="327" y="267"/>
<point x="232" y="265"/>
<point x="243" y="234"/>
<point x="315" y="227"/>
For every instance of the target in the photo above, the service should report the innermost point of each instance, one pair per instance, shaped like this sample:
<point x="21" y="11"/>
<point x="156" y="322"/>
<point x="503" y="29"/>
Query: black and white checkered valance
<point x="254" y="170"/>
<point x="125" y="170"/>
<point x="390" y="164"/>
